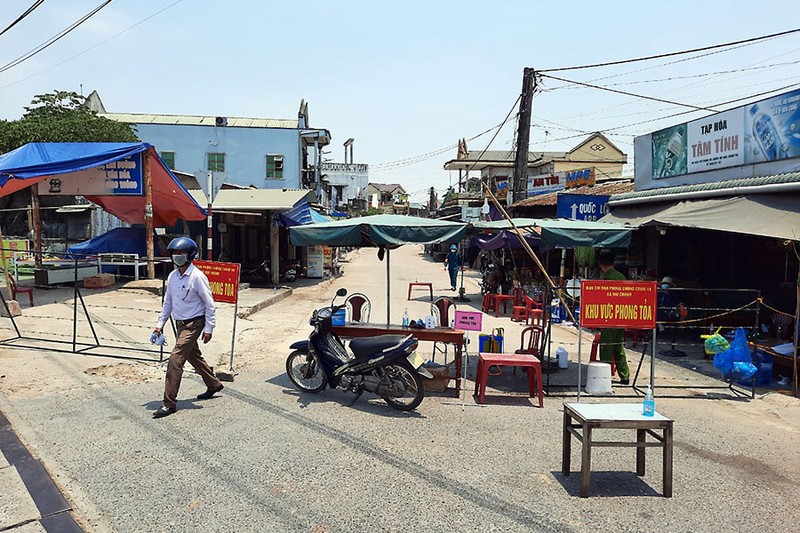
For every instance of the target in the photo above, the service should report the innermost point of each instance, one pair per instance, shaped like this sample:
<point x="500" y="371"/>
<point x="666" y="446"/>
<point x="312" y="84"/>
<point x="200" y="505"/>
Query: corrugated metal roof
<point x="260" y="199"/>
<point x="197" y="120"/>
<point x="609" y="188"/>
<point x="737" y="185"/>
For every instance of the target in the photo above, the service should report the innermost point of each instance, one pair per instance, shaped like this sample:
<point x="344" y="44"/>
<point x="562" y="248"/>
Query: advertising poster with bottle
<point x="669" y="152"/>
<point x="772" y="128"/>
<point x="764" y="131"/>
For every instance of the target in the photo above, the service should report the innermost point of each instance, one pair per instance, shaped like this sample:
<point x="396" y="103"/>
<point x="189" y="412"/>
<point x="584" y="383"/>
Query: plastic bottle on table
<point x="649" y="406"/>
<point x="405" y="318"/>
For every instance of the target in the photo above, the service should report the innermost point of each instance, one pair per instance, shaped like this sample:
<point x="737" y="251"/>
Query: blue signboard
<point x="124" y="177"/>
<point x="582" y="206"/>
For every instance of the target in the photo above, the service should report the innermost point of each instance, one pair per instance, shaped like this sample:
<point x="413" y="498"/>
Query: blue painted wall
<point x="245" y="151"/>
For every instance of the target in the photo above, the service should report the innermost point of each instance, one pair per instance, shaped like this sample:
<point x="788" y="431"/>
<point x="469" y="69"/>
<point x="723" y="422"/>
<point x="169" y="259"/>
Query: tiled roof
<point x="602" y="189"/>
<point x="737" y="185"/>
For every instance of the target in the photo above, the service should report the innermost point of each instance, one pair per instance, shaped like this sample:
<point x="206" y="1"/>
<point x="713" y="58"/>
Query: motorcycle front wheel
<point x="405" y="390"/>
<point x="305" y="371"/>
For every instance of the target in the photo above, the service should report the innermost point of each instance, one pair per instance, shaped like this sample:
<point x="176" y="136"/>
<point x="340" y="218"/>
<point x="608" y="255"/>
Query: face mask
<point x="665" y="285"/>
<point x="180" y="259"/>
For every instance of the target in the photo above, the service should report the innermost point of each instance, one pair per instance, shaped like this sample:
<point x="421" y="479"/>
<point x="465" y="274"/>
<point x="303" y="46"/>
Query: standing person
<point x="189" y="301"/>
<point x="452" y="262"/>
<point x="612" y="341"/>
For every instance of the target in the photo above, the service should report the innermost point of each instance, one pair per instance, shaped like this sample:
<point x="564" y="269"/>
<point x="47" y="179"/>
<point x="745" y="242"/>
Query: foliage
<point x="371" y="211"/>
<point x="61" y="116"/>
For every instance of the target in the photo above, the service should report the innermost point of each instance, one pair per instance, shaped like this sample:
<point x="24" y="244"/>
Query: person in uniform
<point x="612" y="340"/>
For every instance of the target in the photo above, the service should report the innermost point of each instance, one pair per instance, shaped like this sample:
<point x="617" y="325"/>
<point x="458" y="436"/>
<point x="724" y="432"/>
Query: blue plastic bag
<point x="736" y="362"/>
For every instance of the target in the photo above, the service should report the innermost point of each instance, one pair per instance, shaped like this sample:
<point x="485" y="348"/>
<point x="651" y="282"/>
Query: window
<point x="274" y="167"/>
<point x="169" y="159"/>
<point x="216" y="162"/>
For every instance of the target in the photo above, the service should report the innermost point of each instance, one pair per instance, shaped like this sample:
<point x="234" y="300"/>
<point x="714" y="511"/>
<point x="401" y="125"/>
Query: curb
<point x="246" y="311"/>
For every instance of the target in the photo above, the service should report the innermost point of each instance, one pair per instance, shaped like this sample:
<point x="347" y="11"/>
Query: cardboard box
<point x="98" y="281"/>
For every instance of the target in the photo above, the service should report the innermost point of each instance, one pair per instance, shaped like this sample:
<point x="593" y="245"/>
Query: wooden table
<point x="592" y="416"/>
<point x="438" y="334"/>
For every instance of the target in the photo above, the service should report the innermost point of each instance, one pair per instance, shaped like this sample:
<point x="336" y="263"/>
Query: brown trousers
<point x="187" y="349"/>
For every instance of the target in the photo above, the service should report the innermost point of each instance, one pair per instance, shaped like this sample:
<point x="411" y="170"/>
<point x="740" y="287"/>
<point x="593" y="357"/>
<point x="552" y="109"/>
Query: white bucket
<point x="563" y="357"/>
<point x="598" y="378"/>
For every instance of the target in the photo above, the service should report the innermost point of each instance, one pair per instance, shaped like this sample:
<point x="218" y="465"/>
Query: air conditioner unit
<point x="221" y="121"/>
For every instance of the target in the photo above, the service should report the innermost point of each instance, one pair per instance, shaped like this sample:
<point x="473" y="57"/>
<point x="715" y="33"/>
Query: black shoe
<point x="624" y="382"/>
<point x="207" y="395"/>
<point x="163" y="411"/>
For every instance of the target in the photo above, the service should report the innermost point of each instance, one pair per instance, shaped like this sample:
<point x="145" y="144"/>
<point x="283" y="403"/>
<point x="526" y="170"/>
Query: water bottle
<point x="649" y="406"/>
<point x="766" y="136"/>
<point x="405" y="318"/>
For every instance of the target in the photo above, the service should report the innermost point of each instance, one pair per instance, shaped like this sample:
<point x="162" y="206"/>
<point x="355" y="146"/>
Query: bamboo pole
<point x="36" y="215"/>
<point x="148" y="215"/>
<point x="5" y="265"/>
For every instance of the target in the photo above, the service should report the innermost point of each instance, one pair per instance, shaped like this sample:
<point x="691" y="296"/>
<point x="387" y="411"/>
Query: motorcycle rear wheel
<point x="305" y="371"/>
<point x="407" y="386"/>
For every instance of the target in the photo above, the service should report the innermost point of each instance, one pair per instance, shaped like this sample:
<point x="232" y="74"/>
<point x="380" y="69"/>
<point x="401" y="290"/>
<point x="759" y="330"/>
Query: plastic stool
<point x="530" y="362"/>
<point x="519" y="312"/>
<point x="595" y="355"/>
<point x="489" y="303"/>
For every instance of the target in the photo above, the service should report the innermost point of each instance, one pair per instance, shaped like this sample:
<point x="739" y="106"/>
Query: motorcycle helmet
<point x="183" y="245"/>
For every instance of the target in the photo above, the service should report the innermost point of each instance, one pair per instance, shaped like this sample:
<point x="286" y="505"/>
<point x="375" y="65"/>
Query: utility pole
<point x="520" y="182"/>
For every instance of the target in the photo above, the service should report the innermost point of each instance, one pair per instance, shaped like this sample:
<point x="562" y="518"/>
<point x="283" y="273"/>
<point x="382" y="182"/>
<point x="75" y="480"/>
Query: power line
<point x="626" y="93"/>
<point x="54" y="39"/>
<point x="27" y="12"/>
<point x="129" y="28"/>
<point x="670" y="54"/>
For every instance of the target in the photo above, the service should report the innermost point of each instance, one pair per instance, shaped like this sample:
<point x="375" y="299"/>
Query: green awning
<point x="378" y="230"/>
<point x="566" y="232"/>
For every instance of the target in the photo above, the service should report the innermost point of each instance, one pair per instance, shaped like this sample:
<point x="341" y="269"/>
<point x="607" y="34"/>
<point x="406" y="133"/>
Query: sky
<point x="407" y="79"/>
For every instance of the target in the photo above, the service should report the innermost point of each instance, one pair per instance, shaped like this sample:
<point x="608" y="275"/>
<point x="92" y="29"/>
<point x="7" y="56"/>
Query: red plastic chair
<point x="519" y="309"/>
<point x="440" y="309"/>
<point x="535" y="312"/>
<point x="530" y="342"/>
<point x="15" y="289"/>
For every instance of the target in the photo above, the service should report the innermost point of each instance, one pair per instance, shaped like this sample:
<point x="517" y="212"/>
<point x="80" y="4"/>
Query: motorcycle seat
<point x="372" y="345"/>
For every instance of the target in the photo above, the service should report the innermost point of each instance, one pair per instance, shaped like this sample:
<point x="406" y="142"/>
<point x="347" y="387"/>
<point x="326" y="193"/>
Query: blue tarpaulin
<point x="118" y="240"/>
<point x="302" y="214"/>
<point x="34" y="162"/>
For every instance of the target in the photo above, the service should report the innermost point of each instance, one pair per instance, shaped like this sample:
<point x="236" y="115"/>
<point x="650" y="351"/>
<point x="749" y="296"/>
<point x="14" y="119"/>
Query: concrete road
<point x="264" y="457"/>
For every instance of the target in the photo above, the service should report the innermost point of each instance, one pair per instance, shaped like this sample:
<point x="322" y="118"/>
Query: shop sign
<point x="120" y="178"/>
<point x="581" y="206"/>
<point x="223" y="278"/>
<point x="546" y="184"/>
<point x="756" y="133"/>
<point x="618" y="304"/>
<point x="579" y="178"/>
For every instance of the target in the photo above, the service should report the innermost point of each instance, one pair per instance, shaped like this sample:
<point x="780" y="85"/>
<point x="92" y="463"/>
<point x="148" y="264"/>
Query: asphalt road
<point x="264" y="457"/>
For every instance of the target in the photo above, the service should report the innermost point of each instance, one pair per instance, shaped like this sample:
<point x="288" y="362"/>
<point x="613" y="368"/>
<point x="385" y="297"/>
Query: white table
<point x="591" y="416"/>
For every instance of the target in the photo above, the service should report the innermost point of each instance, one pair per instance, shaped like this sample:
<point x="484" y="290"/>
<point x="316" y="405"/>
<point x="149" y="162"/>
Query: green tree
<point x="61" y="116"/>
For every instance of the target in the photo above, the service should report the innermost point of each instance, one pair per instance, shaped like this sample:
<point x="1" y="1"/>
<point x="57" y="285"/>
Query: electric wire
<point x="671" y="54"/>
<point x="626" y="93"/>
<point x="19" y="19"/>
<point x="129" y="28"/>
<point x="54" y="39"/>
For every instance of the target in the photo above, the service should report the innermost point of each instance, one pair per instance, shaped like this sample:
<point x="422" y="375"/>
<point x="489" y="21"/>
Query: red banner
<point x="618" y="304"/>
<point x="223" y="279"/>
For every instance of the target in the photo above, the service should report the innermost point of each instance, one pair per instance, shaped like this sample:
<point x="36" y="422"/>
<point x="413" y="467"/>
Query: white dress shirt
<point x="188" y="296"/>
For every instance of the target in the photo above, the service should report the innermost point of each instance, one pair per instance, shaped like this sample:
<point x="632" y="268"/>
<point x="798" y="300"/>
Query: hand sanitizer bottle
<point x="405" y="318"/>
<point x="649" y="406"/>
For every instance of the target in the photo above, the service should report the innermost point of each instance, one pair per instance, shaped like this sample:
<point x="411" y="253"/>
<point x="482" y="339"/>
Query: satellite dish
<point x="574" y="288"/>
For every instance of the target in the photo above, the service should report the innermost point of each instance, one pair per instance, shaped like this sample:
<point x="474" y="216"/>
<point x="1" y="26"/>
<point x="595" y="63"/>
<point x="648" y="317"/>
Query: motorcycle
<point x="386" y="365"/>
<point x="261" y="276"/>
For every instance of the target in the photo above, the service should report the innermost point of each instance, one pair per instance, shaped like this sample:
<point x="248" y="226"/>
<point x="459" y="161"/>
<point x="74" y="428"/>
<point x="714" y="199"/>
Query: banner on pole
<point x="223" y="279"/>
<point x="618" y="304"/>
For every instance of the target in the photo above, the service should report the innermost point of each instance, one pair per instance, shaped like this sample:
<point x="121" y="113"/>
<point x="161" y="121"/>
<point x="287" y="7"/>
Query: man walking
<point x="189" y="301"/>
<point x="612" y="341"/>
<point x="453" y="262"/>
